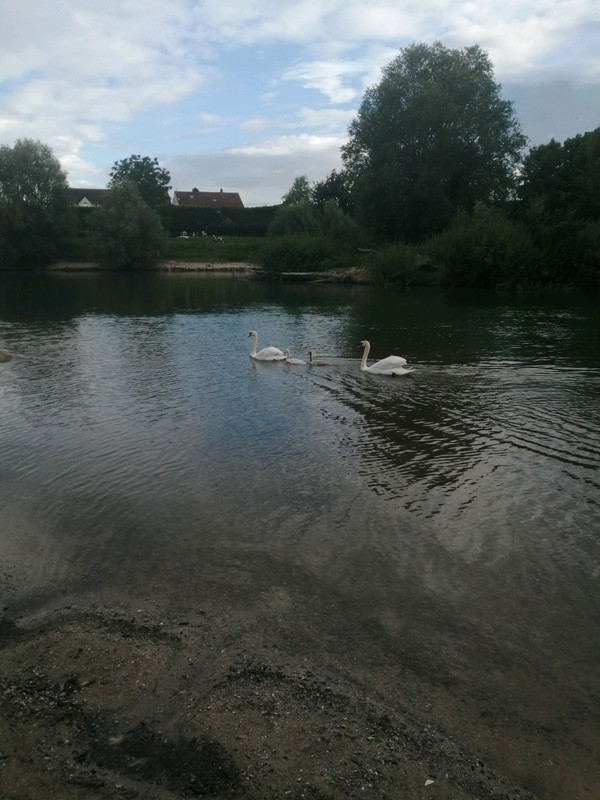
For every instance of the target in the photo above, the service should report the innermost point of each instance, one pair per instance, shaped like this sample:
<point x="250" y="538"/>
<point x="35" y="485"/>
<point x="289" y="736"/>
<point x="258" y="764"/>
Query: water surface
<point x="448" y="520"/>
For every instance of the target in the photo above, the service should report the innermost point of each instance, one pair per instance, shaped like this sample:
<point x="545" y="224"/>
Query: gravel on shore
<point x="99" y="703"/>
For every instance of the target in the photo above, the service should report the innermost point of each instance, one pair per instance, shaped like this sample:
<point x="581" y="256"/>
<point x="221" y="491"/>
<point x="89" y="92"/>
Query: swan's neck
<point x="363" y="363"/>
<point x="254" y="341"/>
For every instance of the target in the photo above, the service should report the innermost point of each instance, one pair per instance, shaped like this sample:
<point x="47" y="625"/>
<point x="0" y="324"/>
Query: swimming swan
<point x="267" y="353"/>
<point x="289" y="360"/>
<point x="316" y="362"/>
<point x="392" y="365"/>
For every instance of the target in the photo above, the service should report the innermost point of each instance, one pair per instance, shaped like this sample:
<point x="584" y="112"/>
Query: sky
<point x="247" y="95"/>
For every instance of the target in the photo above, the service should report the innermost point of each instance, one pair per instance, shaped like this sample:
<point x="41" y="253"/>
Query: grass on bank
<point x="242" y="249"/>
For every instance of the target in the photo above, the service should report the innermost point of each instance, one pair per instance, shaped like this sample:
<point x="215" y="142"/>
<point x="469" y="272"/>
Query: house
<point x="90" y="198"/>
<point x="87" y="198"/>
<point x="198" y="199"/>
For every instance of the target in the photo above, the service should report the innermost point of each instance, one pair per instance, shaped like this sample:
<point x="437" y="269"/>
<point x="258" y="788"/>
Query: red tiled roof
<point x="208" y="199"/>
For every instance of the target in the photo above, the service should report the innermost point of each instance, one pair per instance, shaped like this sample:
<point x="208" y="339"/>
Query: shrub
<point x="301" y="253"/>
<point x="295" y="219"/>
<point x="484" y="250"/>
<point x="395" y="264"/>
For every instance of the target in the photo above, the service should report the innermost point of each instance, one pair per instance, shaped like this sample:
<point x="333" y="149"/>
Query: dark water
<point x="453" y="512"/>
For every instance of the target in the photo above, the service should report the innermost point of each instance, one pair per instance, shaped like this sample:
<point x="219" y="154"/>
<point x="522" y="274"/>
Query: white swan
<point x="316" y="362"/>
<point x="392" y="365"/>
<point x="289" y="360"/>
<point x="267" y="353"/>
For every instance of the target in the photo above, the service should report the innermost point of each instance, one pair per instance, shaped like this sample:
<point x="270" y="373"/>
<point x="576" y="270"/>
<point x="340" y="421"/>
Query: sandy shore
<point x="164" y="266"/>
<point x="100" y="702"/>
<point x="348" y="275"/>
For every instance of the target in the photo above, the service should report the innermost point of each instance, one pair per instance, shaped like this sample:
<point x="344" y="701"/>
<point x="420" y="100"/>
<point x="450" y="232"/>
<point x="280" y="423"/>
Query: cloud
<point x="332" y="119"/>
<point x="327" y="77"/>
<point x="261" y="171"/>
<point x="93" y="79"/>
<point x="80" y="63"/>
<point x="255" y="125"/>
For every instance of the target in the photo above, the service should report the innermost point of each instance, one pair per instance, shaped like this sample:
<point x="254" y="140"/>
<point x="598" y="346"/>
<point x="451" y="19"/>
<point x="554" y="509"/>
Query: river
<point x="446" y="522"/>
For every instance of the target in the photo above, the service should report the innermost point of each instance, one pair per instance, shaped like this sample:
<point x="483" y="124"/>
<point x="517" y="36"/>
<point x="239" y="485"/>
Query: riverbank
<point x="119" y="702"/>
<point x="164" y="266"/>
<point x="344" y="275"/>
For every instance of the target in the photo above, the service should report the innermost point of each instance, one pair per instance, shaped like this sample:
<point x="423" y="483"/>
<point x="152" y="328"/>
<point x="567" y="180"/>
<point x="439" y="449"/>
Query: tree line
<point x="436" y="187"/>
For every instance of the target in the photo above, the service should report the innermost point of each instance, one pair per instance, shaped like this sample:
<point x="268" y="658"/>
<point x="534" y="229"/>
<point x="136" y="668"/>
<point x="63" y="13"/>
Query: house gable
<point x="87" y="198"/>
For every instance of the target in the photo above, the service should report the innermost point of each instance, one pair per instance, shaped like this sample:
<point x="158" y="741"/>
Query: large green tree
<point x="152" y="180"/>
<point x="433" y="137"/>
<point x="560" y="204"/>
<point x="35" y="214"/>
<point x="127" y="233"/>
<point x="564" y="178"/>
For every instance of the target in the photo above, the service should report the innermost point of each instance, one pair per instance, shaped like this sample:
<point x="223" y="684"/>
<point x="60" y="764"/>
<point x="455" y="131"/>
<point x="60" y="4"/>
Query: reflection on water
<point x="139" y="438"/>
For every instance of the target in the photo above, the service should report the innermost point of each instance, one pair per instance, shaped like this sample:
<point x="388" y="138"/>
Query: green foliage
<point x="433" y="137"/>
<point x="78" y="248"/>
<point x="337" y="186"/>
<point x="299" y="192"/>
<point x="306" y="236"/>
<point x="296" y="218"/>
<point x="559" y="203"/>
<point x="587" y="256"/>
<point x="484" y="250"/>
<point x="564" y="178"/>
<point x="127" y="233"/>
<point x="301" y="253"/>
<point x="152" y="180"/>
<point x="36" y="218"/>
<point x="222" y="222"/>
<point x="339" y="225"/>
<point x="328" y="221"/>
<point x="396" y="264"/>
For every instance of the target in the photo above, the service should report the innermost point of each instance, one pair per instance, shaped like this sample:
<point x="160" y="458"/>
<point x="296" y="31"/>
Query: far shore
<point x="354" y="275"/>
<point x="163" y="266"/>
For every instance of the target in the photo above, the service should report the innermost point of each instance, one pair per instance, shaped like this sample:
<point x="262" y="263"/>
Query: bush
<point x="484" y="250"/>
<point x="339" y="225"/>
<point x="301" y="253"/>
<point x="296" y="219"/>
<point x="395" y="264"/>
<point x="327" y="221"/>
